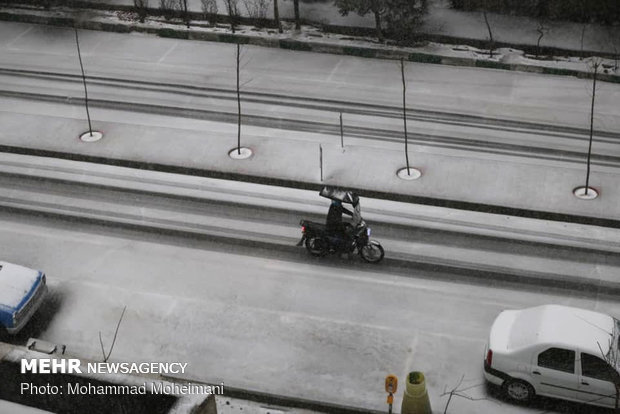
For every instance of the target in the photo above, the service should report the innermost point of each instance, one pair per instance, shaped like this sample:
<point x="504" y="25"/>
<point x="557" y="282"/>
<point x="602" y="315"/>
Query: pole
<point x="238" y="104"/>
<point x="77" y="42"/>
<point x="591" y="127"/>
<point x="390" y="401"/>
<point x="402" y="72"/>
<point x="321" y="160"/>
<point x="341" y="132"/>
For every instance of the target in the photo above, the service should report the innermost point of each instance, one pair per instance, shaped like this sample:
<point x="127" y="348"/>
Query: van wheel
<point x="518" y="390"/>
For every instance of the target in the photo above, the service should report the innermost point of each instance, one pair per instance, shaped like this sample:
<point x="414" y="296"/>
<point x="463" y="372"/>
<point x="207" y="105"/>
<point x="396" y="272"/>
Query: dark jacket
<point x="334" y="218"/>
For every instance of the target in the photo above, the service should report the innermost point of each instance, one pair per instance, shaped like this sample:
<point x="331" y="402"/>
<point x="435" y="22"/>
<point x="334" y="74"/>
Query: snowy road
<point x="476" y="247"/>
<point x="363" y="123"/>
<point x="258" y="320"/>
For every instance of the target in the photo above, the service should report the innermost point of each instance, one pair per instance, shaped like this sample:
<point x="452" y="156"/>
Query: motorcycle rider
<point x="334" y="224"/>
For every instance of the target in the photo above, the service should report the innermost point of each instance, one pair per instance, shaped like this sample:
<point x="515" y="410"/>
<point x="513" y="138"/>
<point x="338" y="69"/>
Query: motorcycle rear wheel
<point x="372" y="252"/>
<point x="317" y="246"/>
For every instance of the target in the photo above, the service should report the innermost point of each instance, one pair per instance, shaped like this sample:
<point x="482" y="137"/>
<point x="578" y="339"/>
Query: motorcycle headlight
<point x="368" y="231"/>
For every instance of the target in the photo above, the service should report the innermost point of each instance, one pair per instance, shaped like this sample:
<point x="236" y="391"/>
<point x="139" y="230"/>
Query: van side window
<point x="595" y="367"/>
<point x="558" y="359"/>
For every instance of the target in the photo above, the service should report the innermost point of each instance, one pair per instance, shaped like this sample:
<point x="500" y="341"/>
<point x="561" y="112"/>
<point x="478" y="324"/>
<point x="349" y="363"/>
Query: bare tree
<point x="595" y="65"/>
<point x="362" y="7"/>
<point x="209" y="9"/>
<point x="183" y="6"/>
<point x="583" y="32"/>
<point x="582" y="7"/>
<point x="457" y="391"/>
<point x="614" y="41"/>
<point x="232" y="8"/>
<point x="542" y="29"/>
<point x="142" y="7"/>
<point x="167" y="8"/>
<point x="257" y="9"/>
<point x="491" y="42"/>
<point x="238" y="60"/>
<point x="107" y="356"/>
<point x="296" y="11"/>
<point x="276" y="15"/>
<point x="402" y="73"/>
<point x="79" y="53"/>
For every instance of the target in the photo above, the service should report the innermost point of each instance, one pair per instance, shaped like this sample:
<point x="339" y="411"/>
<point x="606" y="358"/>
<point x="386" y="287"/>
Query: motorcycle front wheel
<point x="372" y="252"/>
<point x="317" y="246"/>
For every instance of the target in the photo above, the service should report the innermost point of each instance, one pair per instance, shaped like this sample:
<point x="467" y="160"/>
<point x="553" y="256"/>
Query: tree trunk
<point x="77" y="43"/>
<point x="486" y="20"/>
<point x="541" y="33"/>
<point x="232" y="14"/>
<point x="402" y="72"/>
<point x="185" y="13"/>
<point x="378" y="25"/>
<point x="591" y="126"/>
<point x="276" y="15"/>
<point x="297" y="19"/>
<point x="583" y="32"/>
<point x="238" y="101"/>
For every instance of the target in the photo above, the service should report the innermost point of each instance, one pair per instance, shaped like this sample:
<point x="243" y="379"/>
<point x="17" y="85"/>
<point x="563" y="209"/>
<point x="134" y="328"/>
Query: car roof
<point x="562" y="326"/>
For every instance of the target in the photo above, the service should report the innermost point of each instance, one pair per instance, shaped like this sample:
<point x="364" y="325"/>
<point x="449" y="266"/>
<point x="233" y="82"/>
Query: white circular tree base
<point x="580" y="192"/>
<point x="412" y="174"/>
<point x="91" y="137"/>
<point x="240" y="153"/>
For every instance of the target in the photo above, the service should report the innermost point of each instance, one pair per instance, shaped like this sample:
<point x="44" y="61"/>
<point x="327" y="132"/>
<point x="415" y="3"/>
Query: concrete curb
<point x="300" y="45"/>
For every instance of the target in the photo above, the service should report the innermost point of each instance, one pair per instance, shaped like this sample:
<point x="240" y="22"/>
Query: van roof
<point x="557" y="325"/>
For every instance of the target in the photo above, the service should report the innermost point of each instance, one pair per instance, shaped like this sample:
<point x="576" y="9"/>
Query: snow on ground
<point x="520" y="29"/>
<point x="12" y="408"/>
<point x="443" y="20"/>
<point x="511" y="29"/>
<point x="555" y="100"/>
<point x="521" y="182"/>
<point x="266" y="323"/>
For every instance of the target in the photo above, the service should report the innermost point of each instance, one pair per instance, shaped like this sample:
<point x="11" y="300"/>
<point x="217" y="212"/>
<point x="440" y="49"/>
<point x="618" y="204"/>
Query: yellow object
<point x="391" y="384"/>
<point x="390" y="399"/>
<point x="415" y="398"/>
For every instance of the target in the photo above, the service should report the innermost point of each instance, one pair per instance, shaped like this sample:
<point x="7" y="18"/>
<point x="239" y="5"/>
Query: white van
<point x="555" y="351"/>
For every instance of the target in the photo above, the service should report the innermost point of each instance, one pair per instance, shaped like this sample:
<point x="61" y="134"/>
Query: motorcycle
<point x="320" y="243"/>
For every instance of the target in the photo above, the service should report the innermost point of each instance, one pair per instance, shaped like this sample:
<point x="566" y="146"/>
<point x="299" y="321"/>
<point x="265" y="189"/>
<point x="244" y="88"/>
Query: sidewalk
<point x="433" y="47"/>
<point x="444" y="21"/>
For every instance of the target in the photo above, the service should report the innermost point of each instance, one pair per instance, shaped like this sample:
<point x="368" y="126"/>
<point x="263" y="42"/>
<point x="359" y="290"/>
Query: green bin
<point x="415" y="398"/>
